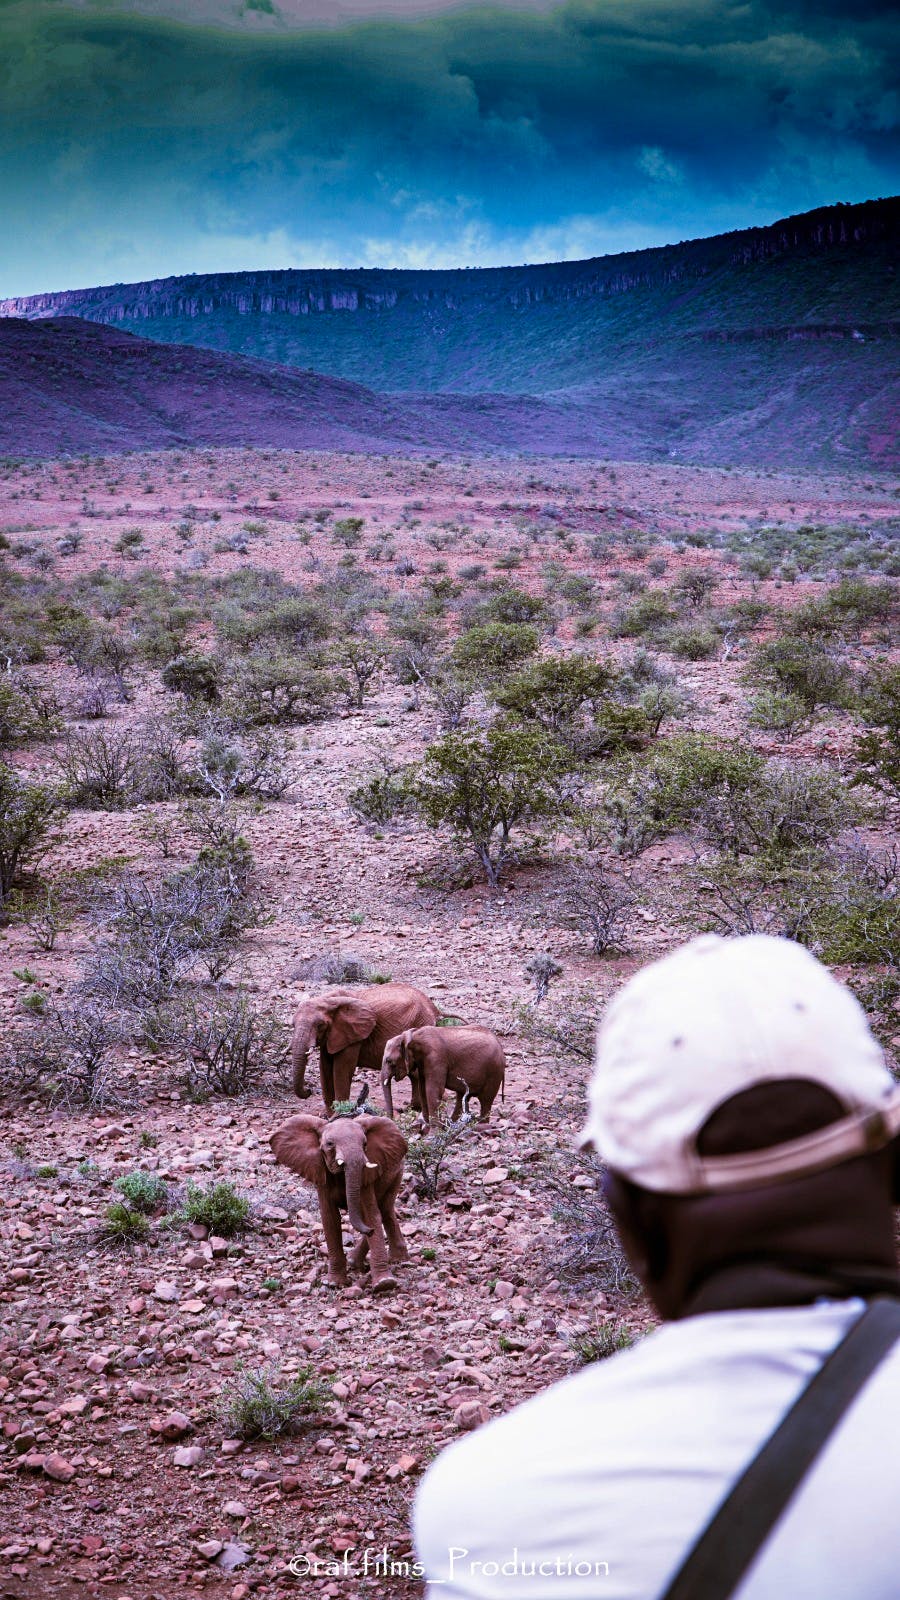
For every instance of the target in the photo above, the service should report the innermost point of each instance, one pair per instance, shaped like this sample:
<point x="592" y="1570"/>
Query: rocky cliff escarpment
<point x="262" y="313"/>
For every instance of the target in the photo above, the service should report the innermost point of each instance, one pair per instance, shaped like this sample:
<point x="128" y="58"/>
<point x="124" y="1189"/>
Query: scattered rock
<point x="471" y="1414"/>
<point x="172" y="1427"/>
<point x="231" y="1557"/>
<point x="58" y="1468"/>
<point x="165" y="1290"/>
<point x="189" y="1455"/>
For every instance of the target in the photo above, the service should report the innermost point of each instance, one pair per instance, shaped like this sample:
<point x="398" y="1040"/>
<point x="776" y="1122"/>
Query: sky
<point x="146" y="138"/>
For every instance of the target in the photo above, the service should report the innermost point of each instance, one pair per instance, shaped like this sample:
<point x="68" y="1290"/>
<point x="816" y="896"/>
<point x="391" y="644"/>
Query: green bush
<point x="877" y="750"/>
<point x="693" y="644"/>
<point x="382" y="797"/>
<point x="557" y="691"/>
<point x="727" y="796"/>
<point x="144" y="1191"/>
<point x="511" y="606"/>
<point x="484" y="783"/>
<point x="124" y="1225"/>
<point x="777" y="712"/>
<point x="848" y="609"/>
<point x="651" y="614"/>
<point x="277" y="688"/>
<point x="27" y="814"/>
<point x="598" y="1344"/>
<point x="259" y="1403"/>
<point x="25" y="714"/>
<point x="194" y="676"/>
<point x="348" y="530"/>
<point x="493" y="650"/>
<point x="219" y="1208"/>
<point x="802" y="667"/>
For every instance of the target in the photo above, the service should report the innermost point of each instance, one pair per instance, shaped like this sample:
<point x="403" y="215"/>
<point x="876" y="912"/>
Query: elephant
<point x="466" y="1060"/>
<point x="351" y="1028"/>
<point x="356" y="1164"/>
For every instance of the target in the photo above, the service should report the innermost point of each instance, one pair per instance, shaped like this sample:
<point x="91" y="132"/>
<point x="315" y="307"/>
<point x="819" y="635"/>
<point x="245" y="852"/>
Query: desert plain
<point x="513" y="1278"/>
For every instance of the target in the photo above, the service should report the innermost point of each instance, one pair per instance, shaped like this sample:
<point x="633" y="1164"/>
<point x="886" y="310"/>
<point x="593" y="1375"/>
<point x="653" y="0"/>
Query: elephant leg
<point x="397" y="1250"/>
<point x="382" y="1277"/>
<point x="417" y="1097"/>
<point x="485" y="1101"/>
<point x="344" y="1066"/>
<point x="334" y="1241"/>
<point x="326" y="1073"/>
<point x="358" y="1256"/>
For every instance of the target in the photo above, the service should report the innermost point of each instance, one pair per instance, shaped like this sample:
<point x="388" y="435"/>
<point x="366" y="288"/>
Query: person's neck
<point x="759" y="1285"/>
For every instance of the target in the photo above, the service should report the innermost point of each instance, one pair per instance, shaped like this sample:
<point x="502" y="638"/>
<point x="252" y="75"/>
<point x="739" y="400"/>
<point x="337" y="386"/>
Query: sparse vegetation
<point x="218" y="1207"/>
<point x="264" y="1403"/>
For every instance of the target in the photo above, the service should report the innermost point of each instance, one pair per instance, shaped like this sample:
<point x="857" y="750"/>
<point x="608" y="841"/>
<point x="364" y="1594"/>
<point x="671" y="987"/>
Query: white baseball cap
<point x="712" y="1019"/>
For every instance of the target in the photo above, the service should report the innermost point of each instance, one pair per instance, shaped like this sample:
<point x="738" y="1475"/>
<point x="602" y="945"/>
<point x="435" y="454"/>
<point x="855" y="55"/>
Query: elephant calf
<point x="356" y="1165"/>
<point x="466" y="1060"/>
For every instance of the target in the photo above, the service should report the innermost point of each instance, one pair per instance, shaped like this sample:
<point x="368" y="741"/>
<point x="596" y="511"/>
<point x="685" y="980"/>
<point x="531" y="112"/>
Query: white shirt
<point x="618" y="1469"/>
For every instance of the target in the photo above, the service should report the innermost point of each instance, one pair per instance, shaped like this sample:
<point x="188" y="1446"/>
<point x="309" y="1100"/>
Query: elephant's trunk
<point x="388" y="1093"/>
<point x="353" y="1172"/>
<point x="301" y="1044"/>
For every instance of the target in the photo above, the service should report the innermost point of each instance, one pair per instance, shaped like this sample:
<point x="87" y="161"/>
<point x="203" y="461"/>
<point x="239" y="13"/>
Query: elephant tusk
<point x="372" y="1166"/>
<point x="340" y="1160"/>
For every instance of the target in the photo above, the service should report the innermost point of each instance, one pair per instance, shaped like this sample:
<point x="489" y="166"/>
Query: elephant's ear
<point x="352" y="1021"/>
<point x="296" y="1144"/>
<point x="385" y="1144"/>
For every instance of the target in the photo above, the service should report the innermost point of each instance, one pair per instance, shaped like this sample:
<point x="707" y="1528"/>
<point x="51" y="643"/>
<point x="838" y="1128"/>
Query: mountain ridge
<point x="301" y="291"/>
<point x="764" y="345"/>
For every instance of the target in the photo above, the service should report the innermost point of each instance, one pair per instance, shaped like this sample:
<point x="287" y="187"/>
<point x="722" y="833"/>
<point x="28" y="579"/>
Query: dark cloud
<point x="132" y="146"/>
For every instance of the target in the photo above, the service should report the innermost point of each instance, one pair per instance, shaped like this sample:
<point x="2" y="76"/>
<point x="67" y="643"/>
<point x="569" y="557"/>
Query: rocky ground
<point x="117" y="1474"/>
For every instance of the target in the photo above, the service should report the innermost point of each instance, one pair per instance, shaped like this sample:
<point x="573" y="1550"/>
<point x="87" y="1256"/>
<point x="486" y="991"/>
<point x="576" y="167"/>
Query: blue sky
<point x="135" y="143"/>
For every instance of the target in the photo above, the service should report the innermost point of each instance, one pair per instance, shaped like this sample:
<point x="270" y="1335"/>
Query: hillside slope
<point x="69" y="386"/>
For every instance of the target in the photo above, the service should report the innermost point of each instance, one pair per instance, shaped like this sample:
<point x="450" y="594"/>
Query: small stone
<point x="172" y="1427"/>
<point x="198" y="1230"/>
<point x="188" y="1456"/>
<point x="504" y="1290"/>
<point x="234" y="1508"/>
<point x="223" y="1288"/>
<point x="471" y="1414"/>
<point x="210" y="1549"/>
<point x="139" y="1391"/>
<point x="137" y="1306"/>
<point x="165" y="1290"/>
<point x="232" y="1556"/>
<point x="495" y="1175"/>
<point x="98" y="1362"/>
<point x="58" y="1468"/>
<point x="231" y="1447"/>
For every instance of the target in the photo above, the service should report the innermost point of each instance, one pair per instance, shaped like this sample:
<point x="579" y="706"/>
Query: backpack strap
<point x="730" y="1542"/>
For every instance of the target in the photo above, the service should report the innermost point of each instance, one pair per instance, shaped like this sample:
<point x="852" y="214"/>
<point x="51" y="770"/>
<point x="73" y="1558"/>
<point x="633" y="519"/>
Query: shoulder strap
<point x="729" y="1543"/>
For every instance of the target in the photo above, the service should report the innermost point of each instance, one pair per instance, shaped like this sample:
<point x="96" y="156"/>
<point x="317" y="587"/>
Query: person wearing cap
<point x="747" y="1124"/>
